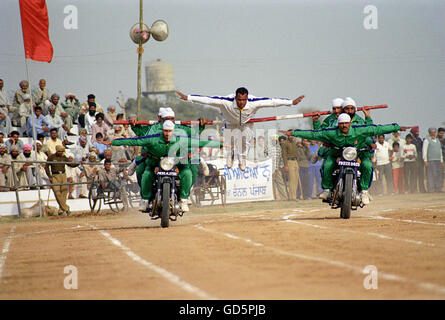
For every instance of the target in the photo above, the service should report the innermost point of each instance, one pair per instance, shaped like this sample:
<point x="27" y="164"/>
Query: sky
<point x="275" y="48"/>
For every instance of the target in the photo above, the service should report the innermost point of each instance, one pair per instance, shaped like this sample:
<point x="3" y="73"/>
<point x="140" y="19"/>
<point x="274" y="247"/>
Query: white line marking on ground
<point x="378" y="235"/>
<point x="5" y="251"/>
<point x="341" y="264"/>
<point x="162" y="272"/>
<point x="403" y="220"/>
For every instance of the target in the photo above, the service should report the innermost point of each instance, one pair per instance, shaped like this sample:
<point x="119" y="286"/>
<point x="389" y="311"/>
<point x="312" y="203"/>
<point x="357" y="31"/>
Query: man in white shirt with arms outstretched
<point x="237" y="110"/>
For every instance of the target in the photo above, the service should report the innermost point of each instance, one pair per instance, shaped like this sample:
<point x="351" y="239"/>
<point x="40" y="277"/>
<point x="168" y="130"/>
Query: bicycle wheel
<point x="114" y="201"/>
<point x="94" y="201"/>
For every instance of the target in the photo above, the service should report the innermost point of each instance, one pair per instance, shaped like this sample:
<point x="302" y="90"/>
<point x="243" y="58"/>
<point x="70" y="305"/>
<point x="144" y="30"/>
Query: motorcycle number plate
<point x="170" y="173"/>
<point x="349" y="164"/>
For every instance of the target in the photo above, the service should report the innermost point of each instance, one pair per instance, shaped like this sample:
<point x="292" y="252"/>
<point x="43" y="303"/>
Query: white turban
<point x="168" y="112"/>
<point x="161" y="111"/>
<point x="337" y="102"/>
<point x="348" y="102"/>
<point x="26" y="96"/>
<point x="168" y="125"/>
<point x="344" y="117"/>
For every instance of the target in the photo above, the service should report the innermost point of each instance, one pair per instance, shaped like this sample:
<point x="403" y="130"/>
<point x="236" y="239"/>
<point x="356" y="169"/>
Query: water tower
<point x="159" y="79"/>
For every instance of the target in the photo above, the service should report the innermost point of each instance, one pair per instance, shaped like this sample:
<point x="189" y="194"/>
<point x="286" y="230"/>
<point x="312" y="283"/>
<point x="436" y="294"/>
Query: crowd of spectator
<point x="54" y="120"/>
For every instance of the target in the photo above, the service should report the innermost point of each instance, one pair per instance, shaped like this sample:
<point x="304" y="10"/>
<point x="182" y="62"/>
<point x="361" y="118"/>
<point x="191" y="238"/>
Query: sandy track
<point x="273" y="250"/>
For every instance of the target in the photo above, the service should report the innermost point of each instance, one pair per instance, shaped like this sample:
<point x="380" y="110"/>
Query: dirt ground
<point x="268" y="250"/>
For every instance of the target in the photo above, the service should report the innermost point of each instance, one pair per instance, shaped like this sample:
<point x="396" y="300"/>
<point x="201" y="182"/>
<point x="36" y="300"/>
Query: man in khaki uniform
<point x="57" y="175"/>
<point x="290" y="159"/>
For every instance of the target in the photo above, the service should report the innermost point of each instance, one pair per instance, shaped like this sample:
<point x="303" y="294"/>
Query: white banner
<point x="253" y="184"/>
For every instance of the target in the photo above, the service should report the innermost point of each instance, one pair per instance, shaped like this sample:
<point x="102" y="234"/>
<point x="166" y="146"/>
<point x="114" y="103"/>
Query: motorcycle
<point x="346" y="177"/>
<point x="165" y="205"/>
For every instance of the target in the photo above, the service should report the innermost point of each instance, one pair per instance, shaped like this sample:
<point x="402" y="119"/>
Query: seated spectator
<point x="71" y="106"/>
<point x="90" y="117"/>
<point x="18" y="100"/>
<point x="109" y="179"/>
<point x="56" y="122"/>
<point x="5" y="121"/>
<point x="60" y="111"/>
<point x="115" y="158"/>
<point x="2" y="137"/>
<point x="41" y="124"/>
<point x="24" y="171"/>
<point x="24" y="112"/>
<point x="53" y="141"/>
<point x="6" y="179"/>
<point x="14" y="141"/>
<point x="41" y="94"/>
<point x="81" y="150"/>
<point x="110" y="116"/>
<point x="100" y="126"/>
<point x="5" y="105"/>
<point x="83" y="133"/>
<point x="99" y="146"/>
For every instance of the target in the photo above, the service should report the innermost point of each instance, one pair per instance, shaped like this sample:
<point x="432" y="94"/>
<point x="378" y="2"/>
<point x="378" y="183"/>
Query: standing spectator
<point x="99" y="126"/>
<point x="314" y="170"/>
<point x="40" y="156"/>
<point x="303" y="155"/>
<point x="418" y="142"/>
<point x="41" y="124"/>
<point x="259" y="149"/>
<point x="433" y="159"/>
<point x="53" y="141"/>
<point x="6" y="179"/>
<point x="383" y="165"/>
<point x="71" y="106"/>
<point x="73" y="175"/>
<point x="18" y="100"/>
<point x="409" y="152"/>
<point x="90" y="117"/>
<point x="5" y="105"/>
<point x="14" y="141"/>
<point x="89" y="173"/>
<point x="290" y="159"/>
<point x="110" y="116"/>
<point x="56" y="174"/>
<point x="396" y="138"/>
<point x="24" y="112"/>
<point x="41" y="94"/>
<point x="397" y="160"/>
<point x="441" y="138"/>
<point x="273" y="150"/>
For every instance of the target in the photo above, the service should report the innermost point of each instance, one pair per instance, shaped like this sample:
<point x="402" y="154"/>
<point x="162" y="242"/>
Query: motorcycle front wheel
<point x="165" y="214"/>
<point x="345" y="212"/>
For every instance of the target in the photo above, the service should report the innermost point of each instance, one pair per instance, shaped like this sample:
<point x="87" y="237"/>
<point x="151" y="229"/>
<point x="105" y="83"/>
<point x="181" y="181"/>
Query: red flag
<point x="35" y="24"/>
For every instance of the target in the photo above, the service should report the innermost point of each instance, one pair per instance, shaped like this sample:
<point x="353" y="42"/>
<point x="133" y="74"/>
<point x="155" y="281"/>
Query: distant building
<point x="159" y="78"/>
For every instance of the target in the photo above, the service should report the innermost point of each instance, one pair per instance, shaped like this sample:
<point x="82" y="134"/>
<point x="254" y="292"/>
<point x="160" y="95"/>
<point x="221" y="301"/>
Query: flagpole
<point x="34" y="137"/>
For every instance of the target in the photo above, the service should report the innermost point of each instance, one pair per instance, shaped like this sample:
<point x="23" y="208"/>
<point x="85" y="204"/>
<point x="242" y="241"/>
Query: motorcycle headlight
<point x="350" y="153"/>
<point x="167" y="163"/>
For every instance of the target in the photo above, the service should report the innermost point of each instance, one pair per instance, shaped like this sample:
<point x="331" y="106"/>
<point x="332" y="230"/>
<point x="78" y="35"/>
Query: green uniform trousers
<point x="148" y="177"/>
<point x="330" y="164"/>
